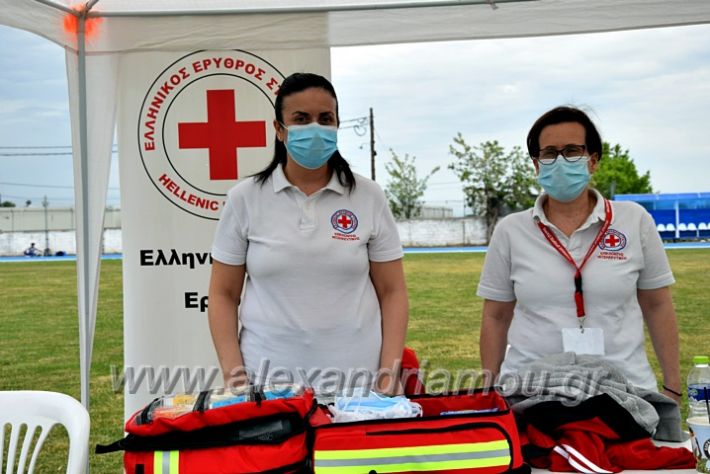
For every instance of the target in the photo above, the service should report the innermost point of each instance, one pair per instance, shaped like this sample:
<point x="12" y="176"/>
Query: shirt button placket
<point x="574" y="247"/>
<point x="307" y="213"/>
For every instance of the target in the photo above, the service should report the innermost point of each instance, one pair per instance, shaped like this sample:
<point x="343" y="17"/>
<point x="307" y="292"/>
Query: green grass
<point x="39" y="341"/>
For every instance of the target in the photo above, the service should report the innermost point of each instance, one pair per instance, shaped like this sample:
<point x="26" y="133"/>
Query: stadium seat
<point x="704" y="229"/>
<point x="669" y="233"/>
<point x="684" y="231"/>
<point x="694" y="230"/>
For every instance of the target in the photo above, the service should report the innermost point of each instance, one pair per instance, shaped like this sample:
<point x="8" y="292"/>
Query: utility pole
<point x="45" y="204"/>
<point x="359" y="126"/>
<point x="373" y="153"/>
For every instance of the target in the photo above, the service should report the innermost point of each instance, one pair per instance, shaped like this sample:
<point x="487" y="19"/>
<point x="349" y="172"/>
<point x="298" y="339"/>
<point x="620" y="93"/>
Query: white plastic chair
<point x="40" y="411"/>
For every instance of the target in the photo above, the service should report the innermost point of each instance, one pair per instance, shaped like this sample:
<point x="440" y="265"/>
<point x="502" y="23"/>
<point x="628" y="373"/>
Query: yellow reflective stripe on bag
<point x="417" y="458"/>
<point x="166" y="462"/>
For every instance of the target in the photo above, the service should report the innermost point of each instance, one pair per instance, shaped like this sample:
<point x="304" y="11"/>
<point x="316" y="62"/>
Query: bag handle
<point x="201" y="402"/>
<point x="144" y="416"/>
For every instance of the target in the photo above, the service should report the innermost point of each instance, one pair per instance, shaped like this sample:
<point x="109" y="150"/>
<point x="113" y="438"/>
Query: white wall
<point x="29" y="219"/>
<point x="414" y="233"/>
<point x="442" y="232"/>
<point x="15" y="243"/>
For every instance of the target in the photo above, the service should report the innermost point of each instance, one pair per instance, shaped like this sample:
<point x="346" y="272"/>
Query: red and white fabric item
<point x="596" y="436"/>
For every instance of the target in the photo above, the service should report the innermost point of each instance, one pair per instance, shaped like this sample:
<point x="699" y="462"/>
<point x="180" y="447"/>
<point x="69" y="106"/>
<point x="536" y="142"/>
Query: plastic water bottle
<point x="698" y="387"/>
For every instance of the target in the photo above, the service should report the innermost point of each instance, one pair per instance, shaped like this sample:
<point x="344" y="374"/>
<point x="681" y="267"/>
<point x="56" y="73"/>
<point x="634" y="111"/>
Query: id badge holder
<point x="581" y="340"/>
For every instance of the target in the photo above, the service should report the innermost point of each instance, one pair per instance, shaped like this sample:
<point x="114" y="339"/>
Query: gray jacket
<point x="571" y="379"/>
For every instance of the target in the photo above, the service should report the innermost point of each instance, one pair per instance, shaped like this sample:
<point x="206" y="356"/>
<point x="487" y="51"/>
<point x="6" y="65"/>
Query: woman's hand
<point x="237" y="377"/>
<point x="389" y="385"/>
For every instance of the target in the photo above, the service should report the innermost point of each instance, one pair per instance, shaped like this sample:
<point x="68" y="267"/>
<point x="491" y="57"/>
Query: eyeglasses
<point x="571" y="154"/>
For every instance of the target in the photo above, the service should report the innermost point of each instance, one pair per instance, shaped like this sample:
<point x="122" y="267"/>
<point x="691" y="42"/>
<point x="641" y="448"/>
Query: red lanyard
<point x="552" y="238"/>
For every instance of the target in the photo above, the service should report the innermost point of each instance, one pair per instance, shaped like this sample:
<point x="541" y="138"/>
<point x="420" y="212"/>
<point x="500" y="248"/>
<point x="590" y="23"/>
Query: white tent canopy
<point x="93" y="32"/>
<point x="130" y="25"/>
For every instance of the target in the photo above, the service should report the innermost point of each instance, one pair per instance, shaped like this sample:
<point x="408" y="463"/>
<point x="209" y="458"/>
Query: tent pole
<point x="307" y="9"/>
<point x="83" y="141"/>
<point x="84" y="316"/>
<point x="63" y="8"/>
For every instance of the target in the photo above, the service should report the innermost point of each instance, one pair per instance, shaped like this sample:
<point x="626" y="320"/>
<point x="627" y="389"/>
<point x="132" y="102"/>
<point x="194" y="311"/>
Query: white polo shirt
<point x="522" y="266"/>
<point x="309" y="301"/>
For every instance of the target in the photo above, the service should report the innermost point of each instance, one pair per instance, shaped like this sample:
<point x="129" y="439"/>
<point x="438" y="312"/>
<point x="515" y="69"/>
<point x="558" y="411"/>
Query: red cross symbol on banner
<point x="222" y="134"/>
<point x="611" y="240"/>
<point x="344" y="221"/>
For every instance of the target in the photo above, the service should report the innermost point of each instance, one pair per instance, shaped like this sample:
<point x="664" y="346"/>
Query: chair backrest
<point x="39" y="412"/>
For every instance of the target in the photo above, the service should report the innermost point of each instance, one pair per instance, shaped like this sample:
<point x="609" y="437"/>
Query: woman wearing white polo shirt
<point x="318" y="252"/>
<point x="577" y="261"/>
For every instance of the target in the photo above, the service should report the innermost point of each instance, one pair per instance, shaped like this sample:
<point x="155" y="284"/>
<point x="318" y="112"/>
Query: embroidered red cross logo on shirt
<point x="344" y="221"/>
<point x="222" y="134"/>
<point x="611" y="240"/>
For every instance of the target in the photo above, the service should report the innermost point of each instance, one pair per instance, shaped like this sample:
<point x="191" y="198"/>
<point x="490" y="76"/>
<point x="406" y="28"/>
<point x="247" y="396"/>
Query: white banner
<point x="189" y="125"/>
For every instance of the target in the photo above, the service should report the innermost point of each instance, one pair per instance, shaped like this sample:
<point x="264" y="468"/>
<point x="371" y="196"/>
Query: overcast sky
<point x="648" y="90"/>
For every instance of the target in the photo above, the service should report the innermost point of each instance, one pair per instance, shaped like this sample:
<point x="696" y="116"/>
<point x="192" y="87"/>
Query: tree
<point x="617" y="173"/>
<point x="495" y="181"/>
<point x="404" y="188"/>
<point x="7" y="204"/>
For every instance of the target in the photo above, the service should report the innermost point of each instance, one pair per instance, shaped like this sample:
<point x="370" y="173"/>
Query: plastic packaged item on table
<point x="174" y="406"/>
<point x="373" y="407"/>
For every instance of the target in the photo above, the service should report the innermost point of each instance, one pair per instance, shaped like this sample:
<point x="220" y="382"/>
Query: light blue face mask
<point x="312" y="145"/>
<point x="562" y="180"/>
<point x="372" y="402"/>
<point x="373" y="406"/>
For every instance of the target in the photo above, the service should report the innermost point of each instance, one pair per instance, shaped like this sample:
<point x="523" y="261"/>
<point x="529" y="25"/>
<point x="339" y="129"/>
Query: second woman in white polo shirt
<point x="318" y="250"/>
<point x="577" y="273"/>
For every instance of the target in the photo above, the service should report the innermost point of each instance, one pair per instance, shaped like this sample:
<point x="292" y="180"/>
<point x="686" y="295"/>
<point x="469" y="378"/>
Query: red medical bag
<point x="263" y="436"/>
<point x="471" y="432"/>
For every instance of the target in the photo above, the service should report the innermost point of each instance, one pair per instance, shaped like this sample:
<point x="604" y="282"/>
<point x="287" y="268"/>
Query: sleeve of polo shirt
<point x="230" y="239"/>
<point x="495" y="283"/>
<point x="656" y="272"/>
<point x="384" y="244"/>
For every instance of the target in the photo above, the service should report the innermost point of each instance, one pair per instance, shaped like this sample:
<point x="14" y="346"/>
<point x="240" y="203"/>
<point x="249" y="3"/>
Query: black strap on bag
<point x="273" y="429"/>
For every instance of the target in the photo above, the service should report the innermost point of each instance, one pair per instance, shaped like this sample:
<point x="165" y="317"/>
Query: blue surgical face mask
<point x="562" y="180"/>
<point x="374" y="406"/>
<point x="312" y="145"/>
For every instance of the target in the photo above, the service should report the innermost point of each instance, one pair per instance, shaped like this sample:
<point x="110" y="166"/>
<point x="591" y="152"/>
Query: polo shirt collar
<point x="280" y="182"/>
<point x="278" y="179"/>
<point x="598" y="213"/>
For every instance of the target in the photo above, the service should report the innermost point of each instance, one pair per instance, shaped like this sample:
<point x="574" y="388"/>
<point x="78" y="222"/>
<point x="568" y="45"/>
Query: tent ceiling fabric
<point x="180" y="25"/>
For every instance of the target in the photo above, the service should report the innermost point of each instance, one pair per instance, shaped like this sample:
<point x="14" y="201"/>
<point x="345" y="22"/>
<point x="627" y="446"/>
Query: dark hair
<point x="298" y="82"/>
<point x="564" y="114"/>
